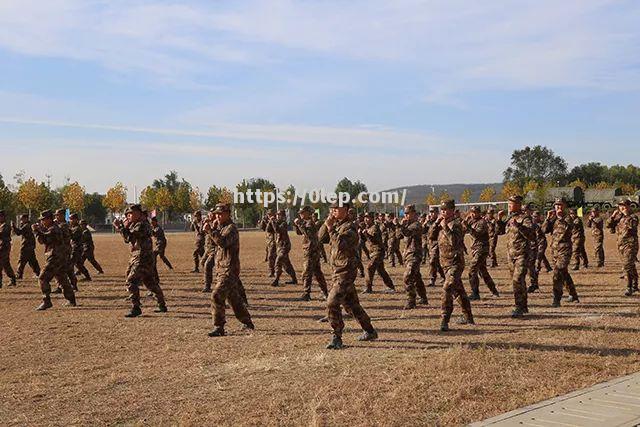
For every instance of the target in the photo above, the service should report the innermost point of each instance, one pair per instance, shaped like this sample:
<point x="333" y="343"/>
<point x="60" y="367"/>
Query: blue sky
<point x="305" y="92"/>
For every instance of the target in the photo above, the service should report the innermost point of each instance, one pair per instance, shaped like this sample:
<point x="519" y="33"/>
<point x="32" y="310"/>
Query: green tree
<point x="94" y="210"/>
<point x="148" y="197"/>
<point x="249" y="213"/>
<point x="538" y="164"/>
<point x="7" y="199"/>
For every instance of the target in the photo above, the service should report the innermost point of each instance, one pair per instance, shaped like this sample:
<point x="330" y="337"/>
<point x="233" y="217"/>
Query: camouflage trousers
<point x="76" y="260"/>
<point x="579" y="254"/>
<point x="208" y="265"/>
<point x="227" y="288"/>
<point x="453" y="289"/>
<point x="198" y="253"/>
<point x="271" y="256"/>
<point x="5" y="266"/>
<point x="561" y="276"/>
<point x="343" y="294"/>
<point x="159" y="253"/>
<point x="394" y="252"/>
<point x="362" y="249"/>
<point x="359" y="265"/>
<point x="598" y="250"/>
<point x="284" y="263"/>
<point x="323" y="253"/>
<point x="477" y="269"/>
<point x="146" y="274"/>
<point x="376" y="265"/>
<point x="412" y="278"/>
<point x="541" y="258"/>
<point x="88" y="255"/>
<point x="55" y="268"/>
<point x="311" y="269"/>
<point x="425" y="251"/>
<point x="69" y="268"/>
<point x="434" y="265"/>
<point x="531" y="267"/>
<point x="628" y="256"/>
<point x="518" y="268"/>
<point x="28" y="257"/>
<point x="493" y="243"/>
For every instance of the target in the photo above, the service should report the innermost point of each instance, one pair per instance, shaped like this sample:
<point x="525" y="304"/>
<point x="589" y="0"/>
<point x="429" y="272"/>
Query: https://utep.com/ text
<point x="299" y="198"/>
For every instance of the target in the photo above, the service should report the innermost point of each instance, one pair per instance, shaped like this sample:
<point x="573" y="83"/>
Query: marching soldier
<point x="354" y="220"/>
<point x="596" y="224"/>
<point x="532" y="271"/>
<point x="136" y="231"/>
<point x="27" y="246"/>
<point x="518" y="227"/>
<point x="425" y="238"/>
<point x="411" y="228"/>
<point x="280" y="228"/>
<point x="541" y="245"/>
<point x="560" y="226"/>
<point x="5" y="250"/>
<point x="323" y="253"/>
<point x="227" y="263"/>
<point x="61" y="221"/>
<point x="308" y="229"/>
<point x="625" y="225"/>
<point x="76" y="246"/>
<point x="270" y="249"/>
<point x="435" y="267"/>
<point x="450" y="234"/>
<point x="494" y="232"/>
<point x="478" y="229"/>
<point x="88" y="248"/>
<point x="198" y="243"/>
<point x="579" y="252"/>
<point x="56" y="260"/>
<point x="160" y="243"/>
<point x="372" y="235"/>
<point x="209" y="252"/>
<point x="344" y="245"/>
<point x="393" y="241"/>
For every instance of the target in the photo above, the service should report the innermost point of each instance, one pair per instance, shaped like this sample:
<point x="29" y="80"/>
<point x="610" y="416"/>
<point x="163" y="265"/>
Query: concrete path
<point x="614" y="403"/>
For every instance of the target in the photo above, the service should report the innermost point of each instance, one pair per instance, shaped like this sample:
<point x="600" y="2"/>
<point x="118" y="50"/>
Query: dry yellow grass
<point x="89" y="365"/>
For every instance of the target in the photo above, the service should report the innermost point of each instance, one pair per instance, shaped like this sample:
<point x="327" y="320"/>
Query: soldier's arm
<point x="323" y="234"/>
<point x="347" y="237"/>
<point x="225" y="237"/>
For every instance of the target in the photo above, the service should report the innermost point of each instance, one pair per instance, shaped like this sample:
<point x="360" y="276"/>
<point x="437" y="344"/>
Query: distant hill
<point x="416" y="194"/>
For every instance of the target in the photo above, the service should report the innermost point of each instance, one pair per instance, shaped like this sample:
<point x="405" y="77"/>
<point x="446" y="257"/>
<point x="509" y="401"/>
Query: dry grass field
<point x="89" y="365"/>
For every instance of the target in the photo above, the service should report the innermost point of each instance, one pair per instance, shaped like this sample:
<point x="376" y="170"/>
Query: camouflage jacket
<point x="227" y="240"/>
<point x="66" y="235"/>
<point x="280" y="228"/>
<point x="196" y="227"/>
<point x="52" y="239"/>
<point x="578" y="230"/>
<point x="264" y="226"/>
<point x="450" y="242"/>
<point x="160" y="239"/>
<point x="561" y="230"/>
<point x="596" y="225"/>
<point x="373" y="236"/>
<point x="520" y="232"/>
<point x="87" y="240"/>
<point x="138" y="235"/>
<point x="478" y="229"/>
<point x="626" y="227"/>
<point x="5" y="237"/>
<point x="25" y="232"/>
<point x="343" y="239"/>
<point x="76" y="238"/>
<point x="413" y="233"/>
<point x="309" y="231"/>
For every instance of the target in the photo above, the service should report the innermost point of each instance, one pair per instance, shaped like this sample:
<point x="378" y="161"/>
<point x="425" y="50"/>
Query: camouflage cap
<point x="475" y="209"/>
<point x="410" y="208"/>
<point x="433" y="209"/>
<point x="73" y="216"/>
<point x="47" y="214"/>
<point x="222" y="207"/>
<point x="336" y="204"/>
<point x="306" y="208"/>
<point x="448" y="204"/>
<point x="516" y="198"/>
<point x="136" y="207"/>
<point x="61" y="211"/>
<point x="624" y="202"/>
<point x="560" y="201"/>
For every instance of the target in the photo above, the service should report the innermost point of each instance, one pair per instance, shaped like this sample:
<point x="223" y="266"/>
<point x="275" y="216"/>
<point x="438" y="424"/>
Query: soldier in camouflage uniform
<point x="494" y="232"/>
<point x="449" y="232"/>
<point x="227" y="288"/>
<point x="425" y="238"/>
<point x="393" y="240"/>
<point x="136" y="231"/>
<point x="308" y="229"/>
<point x="344" y="245"/>
<point x="519" y="230"/>
<point x="5" y="250"/>
<point x="625" y="225"/>
<point x="160" y="243"/>
<point x="477" y="227"/>
<point x="372" y="235"/>
<point x="578" y="238"/>
<point x="27" y="246"/>
<point x="66" y="238"/>
<point x="354" y="221"/>
<point x="434" y="256"/>
<point x="280" y="228"/>
<point x="88" y="248"/>
<point x="270" y="249"/>
<point x="596" y="224"/>
<point x="56" y="260"/>
<point x="541" y="244"/>
<point x="76" y="246"/>
<point x="560" y="226"/>
<point x="198" y="243"/>
<point x="209" y="252"/>
<point x="411" y="228"/>
<point x="323" y="253"/>
<point x="532" y="271"/>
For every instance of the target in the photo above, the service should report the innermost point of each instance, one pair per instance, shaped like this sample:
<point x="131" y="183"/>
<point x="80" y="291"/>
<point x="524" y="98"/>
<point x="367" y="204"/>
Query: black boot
<point x="556" y="302"/>
<point x="410" y="305"/>
<point x="218" y="332"/>
<point x="423" y="301"/>
<point x="368" y="336"/>
<point x="517" y="313"/>
<point x="305" y="297"/>
<point x="46" y="303"/>
<point x="532" y="289"/>
<point x="248" y="327"/>
<point x="206" y="289"/>
<point x="135" y="312"/>
<point x="475" y="295"/>
<point x="444" y="325"/>
<point x="336" y="343"/>
<point x="162" y="308"/>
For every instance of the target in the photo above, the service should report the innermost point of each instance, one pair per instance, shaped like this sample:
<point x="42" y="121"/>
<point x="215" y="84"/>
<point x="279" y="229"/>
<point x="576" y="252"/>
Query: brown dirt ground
<point x="89" y="365"/>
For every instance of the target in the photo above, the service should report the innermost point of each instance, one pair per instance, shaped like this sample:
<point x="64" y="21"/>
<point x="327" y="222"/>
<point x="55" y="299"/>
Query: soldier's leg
<point x="599" y="250"/>
<point x="365" y="250"/>
<point x="398" y="253"/>
<point x="575" y="256"/>
<point x="433" y="268"/>
<point x="533" y="271"/>
<point x="208" y="273"/>
<point x="77" y="260"/>
<point x="92" y="259"/>
<point x="319" y="275"/>
<point x="585" y="258"/>
<point x="474" y="280"/>
<point x="492" y="250"/>
<point x="218" y="303"/>
<point x="628" y="266"/>
<point x="323" y="253"/>
<point x="372" y="267"/>
<point x="33" y="263"/>
<point x="545" y="262"/>
<point x="22" y="262"/>
<point x="352" y="305"/>
<point x="272" y="259"/>
<point x="409" y="280"/>
<point x="266" y="252"/>
<point x="486" y="276"/>
<point x="289" y="268"/>
<point x="447" y="298"/>
<point x="44" y="280"/>
<point x="71" y="274"/>
<point x="359" y="265"/>
<point x="279" y="265"/>
<point x="307" y="277"/>
<point x="334" y="311"/>
<point x="67" y="290"/>
<point x="196" y="259"/>
<point x="519" y="266"/>
<point x="384" y="275"/>
<point x="5" y="264"/>
<point x="571" y="287"/>
<point x="239" y="306"/>
<point x="558" y="284"/>
<point x="420" y="287"/>
<point x="461" y="294"/>
<point x="392" y="253"/>
<point x="242" y="292"/>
